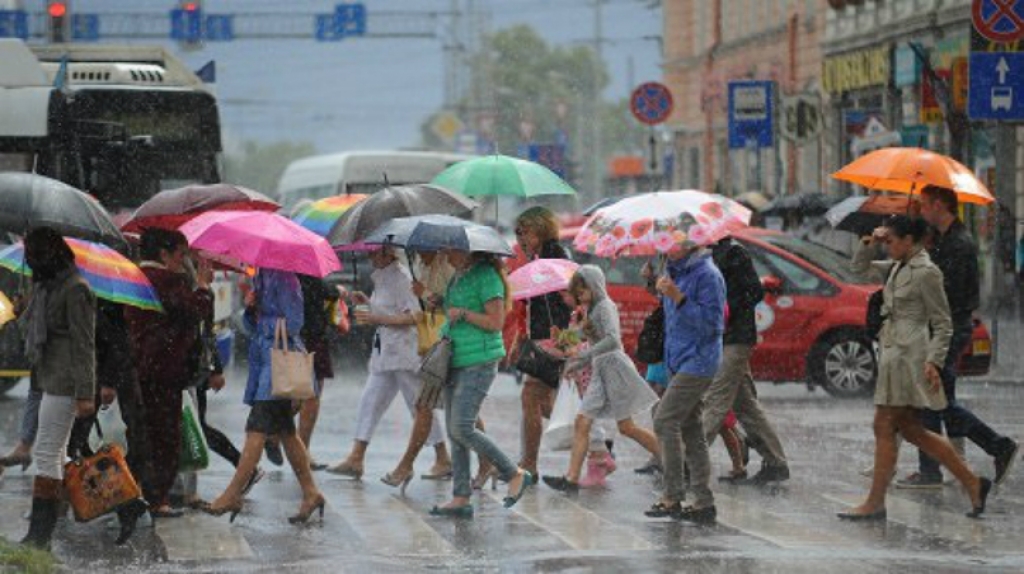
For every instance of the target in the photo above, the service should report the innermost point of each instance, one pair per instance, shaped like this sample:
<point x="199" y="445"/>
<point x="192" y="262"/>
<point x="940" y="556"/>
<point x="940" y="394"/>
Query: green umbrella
<point x="502" y="175"/>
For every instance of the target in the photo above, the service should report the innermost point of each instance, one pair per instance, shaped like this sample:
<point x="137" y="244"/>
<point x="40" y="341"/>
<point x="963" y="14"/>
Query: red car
<point x="810" y="324"/>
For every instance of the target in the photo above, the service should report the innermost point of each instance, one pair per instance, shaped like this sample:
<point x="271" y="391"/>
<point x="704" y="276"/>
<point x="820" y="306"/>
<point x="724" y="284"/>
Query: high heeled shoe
<point x="234" y="509"/>
<point x="303" y="516"/>
<point x="25" y="460"/>
<point x="400" y="482"/>
<point x="986" y="487"/>
<point x="345" y="469"/>
<point x="480" y="480"/>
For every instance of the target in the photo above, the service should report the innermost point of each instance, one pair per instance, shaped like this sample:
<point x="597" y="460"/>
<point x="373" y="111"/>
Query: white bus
<point x="321" y="176"/>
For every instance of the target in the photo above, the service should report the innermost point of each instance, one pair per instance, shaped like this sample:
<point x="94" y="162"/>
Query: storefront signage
<point x="857" y="70"/>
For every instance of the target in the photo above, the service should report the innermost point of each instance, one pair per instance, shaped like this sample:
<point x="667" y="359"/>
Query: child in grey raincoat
<point x="616" y="390"/>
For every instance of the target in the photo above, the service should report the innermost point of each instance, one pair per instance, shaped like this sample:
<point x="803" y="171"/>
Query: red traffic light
<point x="190" y="6"/>
<point x="57" y="9"/>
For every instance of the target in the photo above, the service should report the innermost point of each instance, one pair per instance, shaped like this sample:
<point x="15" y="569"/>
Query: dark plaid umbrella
<point x="29" y="200"/>
<point x="390" y="203"/>
<point x="171" y="208"/>
<point x="862" y="214"/>
<point x="802" y="203"/>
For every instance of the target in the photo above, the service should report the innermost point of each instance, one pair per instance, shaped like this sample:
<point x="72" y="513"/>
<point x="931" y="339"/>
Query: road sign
<point x="446" y="126"/>
<point x="350" y="19"/>
<point x="996" y="86"/>
<point x="85" y="27"/>
<point x="186" y="25"/>
<point x="220" y="28"/>
<point x="14" y="24"/>
<point x="801" y="118"/>
<point x="999" y="20"/>
<point x="651" y="103"/>
<point x="751" y="117"/>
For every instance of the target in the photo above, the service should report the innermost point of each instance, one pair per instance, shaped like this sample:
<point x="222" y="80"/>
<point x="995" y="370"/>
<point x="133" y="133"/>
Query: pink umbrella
<point x="262" y="239"/>
<point x="540" y="277"/>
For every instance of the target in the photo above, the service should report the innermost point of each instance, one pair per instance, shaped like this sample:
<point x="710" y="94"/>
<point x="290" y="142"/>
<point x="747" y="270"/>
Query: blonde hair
<point x="541" y="221"/>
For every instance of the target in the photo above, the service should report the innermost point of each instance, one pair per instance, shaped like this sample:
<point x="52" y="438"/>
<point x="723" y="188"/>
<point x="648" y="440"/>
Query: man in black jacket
<point x="954" y="252"/>
<point x="733" y="386"/>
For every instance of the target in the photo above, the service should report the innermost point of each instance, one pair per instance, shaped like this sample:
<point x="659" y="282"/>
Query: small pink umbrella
<point x="262" y="239"/>
<point x="540" y="277"/>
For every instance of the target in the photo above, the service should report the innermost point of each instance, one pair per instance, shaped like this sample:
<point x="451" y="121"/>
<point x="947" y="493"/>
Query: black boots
<point x="128" y="515"/>
<point x="45" y="500"/>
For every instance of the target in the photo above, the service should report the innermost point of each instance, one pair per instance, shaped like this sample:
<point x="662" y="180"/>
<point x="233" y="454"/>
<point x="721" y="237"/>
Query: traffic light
<point x="57" y="18"/>
<point x="187" y="24"/>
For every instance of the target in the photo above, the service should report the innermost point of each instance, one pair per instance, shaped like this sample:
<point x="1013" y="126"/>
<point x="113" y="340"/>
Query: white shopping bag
<point x="558" y="435"/>
<point x="109" y="428"/>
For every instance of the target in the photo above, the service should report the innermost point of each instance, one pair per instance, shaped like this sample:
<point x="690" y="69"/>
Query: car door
<point x="786" y="318"/>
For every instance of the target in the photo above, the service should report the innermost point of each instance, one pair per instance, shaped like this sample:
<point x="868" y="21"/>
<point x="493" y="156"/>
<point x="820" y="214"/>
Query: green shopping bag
<point x="195" y="453"/>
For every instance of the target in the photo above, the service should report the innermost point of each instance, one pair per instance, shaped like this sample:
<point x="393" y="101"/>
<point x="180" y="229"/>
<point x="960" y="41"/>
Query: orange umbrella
<point x="907" y="170"/>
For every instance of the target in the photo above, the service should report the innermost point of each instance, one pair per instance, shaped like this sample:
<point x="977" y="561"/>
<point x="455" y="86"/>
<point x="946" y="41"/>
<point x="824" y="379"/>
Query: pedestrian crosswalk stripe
<point x="752" y="520"/>
<point x="576" y="526"/>
<point x="186" y="539"/>
<point x="933" y="520"/>
<point x="404" y="533"/>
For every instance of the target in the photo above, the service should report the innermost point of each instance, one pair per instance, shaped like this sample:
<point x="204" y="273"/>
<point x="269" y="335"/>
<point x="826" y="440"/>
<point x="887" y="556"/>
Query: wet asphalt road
<point x="368" y="527"/>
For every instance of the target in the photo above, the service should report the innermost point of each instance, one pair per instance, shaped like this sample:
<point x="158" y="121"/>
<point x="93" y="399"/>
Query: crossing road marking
<point x="193" y="537"/>
<point x="404" y="533"/>
<point x="752" y="520"/>
<point x="575" y="525"/>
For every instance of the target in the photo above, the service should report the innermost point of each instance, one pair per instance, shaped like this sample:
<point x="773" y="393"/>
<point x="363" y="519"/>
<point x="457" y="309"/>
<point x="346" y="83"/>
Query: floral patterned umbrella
<point x="648" y="224"/>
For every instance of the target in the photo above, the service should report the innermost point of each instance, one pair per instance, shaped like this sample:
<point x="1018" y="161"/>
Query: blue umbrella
<point x="436" y="232"/>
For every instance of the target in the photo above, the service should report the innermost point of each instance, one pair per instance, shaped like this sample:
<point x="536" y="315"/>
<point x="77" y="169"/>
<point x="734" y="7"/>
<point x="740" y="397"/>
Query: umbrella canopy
<point x="651" y="223"/>
<point x="171" y="208"/>
<point x="540" y="277"/>
<point x="436" y="232"/>
<point x="754" y="199"/>
<point x="803" y="203"/>
<point x="28" y="200"/>
<point x="6" y="309"/>
<point x="862" y="214"/>
<point x="262" y="239"/>
<point x="391" y="203"/>
<point x="110" y="275"/>
<point x="320" y="216"/>
<point x="907" y="170"/>
<point x="502" y="175"/>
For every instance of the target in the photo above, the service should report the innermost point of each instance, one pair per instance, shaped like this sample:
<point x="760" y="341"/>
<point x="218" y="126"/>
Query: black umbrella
<point x="802" y="203"/>
<point x="862" y="214"/>
<point x="393" y="202"/>
<point x="29" y="200"/>
<point x="435" y="232"/>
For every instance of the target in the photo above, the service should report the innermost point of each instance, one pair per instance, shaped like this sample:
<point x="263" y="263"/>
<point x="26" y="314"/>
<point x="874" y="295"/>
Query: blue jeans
<point x="30" y="417"/>
<point x="462" y="401"/>
<point x="959" y="421"/>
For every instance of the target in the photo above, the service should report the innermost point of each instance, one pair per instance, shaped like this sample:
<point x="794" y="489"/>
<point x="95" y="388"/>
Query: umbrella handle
<point x="412" y="273"/>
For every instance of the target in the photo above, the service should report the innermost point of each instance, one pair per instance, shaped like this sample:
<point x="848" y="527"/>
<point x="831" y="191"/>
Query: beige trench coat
<point x="917" y="329"/>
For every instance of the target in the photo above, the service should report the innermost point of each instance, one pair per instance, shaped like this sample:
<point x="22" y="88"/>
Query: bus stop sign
<point x="651" y="103"/>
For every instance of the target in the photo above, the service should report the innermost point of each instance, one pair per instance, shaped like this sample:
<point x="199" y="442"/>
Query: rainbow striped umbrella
<point x="320" y="216"/>
<point x="111" y="276"/>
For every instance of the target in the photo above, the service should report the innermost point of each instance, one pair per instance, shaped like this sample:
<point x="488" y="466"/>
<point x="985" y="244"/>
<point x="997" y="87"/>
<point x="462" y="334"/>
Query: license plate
<point x="982" y="348"/>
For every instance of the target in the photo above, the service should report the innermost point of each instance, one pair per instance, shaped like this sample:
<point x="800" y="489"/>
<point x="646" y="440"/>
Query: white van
<point x="321" y="176"/>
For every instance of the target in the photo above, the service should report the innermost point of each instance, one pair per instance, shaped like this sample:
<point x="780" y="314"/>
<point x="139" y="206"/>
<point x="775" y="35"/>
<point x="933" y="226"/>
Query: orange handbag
<point x="99" y="484"/>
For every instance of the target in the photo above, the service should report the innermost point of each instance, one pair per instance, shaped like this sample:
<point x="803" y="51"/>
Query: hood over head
<point x="594" y="279"/>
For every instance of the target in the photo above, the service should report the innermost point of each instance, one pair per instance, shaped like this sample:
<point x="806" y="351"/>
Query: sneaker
<point x="917" y="481"/>
<point x="652" y="467"/>
<point x="703" y="516"/>
<point x="1004" y="463"/>
<point x="768" y="473"/>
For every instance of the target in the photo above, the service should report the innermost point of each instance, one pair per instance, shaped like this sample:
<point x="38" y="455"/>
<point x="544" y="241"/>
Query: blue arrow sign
<point x="85" y="27"/>
<point x="14" y="24"/>
<point x="996" y="86"/>
<point x="186" y="25"/>
<point x="220" y="27"/>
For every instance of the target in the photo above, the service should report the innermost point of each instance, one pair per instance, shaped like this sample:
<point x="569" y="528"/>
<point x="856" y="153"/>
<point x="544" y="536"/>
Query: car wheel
<point x="8" y="383"/>
<point x="844" y="365"/>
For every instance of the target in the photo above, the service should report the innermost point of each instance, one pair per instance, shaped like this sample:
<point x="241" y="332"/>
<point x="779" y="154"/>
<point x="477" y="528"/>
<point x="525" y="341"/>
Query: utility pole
<point x="597" y="153"/>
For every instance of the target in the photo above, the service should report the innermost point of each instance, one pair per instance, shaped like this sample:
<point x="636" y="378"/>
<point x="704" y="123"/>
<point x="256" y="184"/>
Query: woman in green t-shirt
<point x="475" y="303"/>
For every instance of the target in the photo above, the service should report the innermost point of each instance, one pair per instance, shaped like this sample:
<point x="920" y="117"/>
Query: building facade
<point x="710" y="43"/>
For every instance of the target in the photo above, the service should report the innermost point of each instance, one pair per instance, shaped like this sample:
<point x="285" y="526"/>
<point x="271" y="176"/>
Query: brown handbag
<point x="99" y="484"/>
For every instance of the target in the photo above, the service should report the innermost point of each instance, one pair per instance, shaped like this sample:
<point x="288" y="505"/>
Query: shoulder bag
<point x="434" y="371"/>
<point x="650" y="345"/>
<point x="291" y="372"/>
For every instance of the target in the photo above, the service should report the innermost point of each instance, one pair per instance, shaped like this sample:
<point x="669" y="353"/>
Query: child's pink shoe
<point x="609" y="464"/>
<point x="595" y="474"/>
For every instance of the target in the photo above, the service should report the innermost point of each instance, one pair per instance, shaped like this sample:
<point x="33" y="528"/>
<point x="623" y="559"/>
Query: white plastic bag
<point x="558" y="435"/>
<point x="109" y="428"/>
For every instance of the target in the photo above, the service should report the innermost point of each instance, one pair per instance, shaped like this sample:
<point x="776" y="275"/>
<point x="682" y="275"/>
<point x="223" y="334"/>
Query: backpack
<point x="650" y="345"/>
